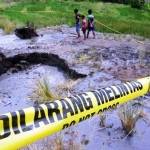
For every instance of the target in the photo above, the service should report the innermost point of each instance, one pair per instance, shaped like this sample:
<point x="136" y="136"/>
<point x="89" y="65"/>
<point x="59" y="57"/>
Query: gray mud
<point x="107" y="60"/>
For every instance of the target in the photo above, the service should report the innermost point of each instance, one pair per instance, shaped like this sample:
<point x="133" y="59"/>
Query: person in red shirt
<point x="84" y="26"/>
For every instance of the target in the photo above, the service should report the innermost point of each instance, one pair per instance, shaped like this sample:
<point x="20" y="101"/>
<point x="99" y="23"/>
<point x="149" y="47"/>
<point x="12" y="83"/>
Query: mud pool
<point x="107" y="60"/>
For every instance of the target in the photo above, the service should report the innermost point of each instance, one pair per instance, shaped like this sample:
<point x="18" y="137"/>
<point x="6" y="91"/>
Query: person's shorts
<point x="77" y="27"/>
<point x="91" y="28"/>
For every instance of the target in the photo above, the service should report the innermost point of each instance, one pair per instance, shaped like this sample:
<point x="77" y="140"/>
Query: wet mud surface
<point x="107" y="60"/>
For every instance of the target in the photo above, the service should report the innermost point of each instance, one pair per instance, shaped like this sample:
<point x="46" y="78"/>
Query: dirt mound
<point x="26" y="33"/>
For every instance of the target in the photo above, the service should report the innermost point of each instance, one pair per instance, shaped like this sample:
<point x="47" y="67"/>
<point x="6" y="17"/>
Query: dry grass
<point x="102" y="120"/>
<point x="59" y="142"/>
<point x="83" y="58"/>
<point x="7" y="25"/>
<point x="142" y="53"/>
<point x="129" y="114"/>
<point x="43" y="92"/>
<point x="55" y="144"/>
<point x="67" y="88"/>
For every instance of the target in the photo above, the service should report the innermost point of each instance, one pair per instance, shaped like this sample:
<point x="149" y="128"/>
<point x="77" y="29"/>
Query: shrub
<point x="117" y="1"/>
<point x="134" y="3"/>
<point x="139" y="4"/>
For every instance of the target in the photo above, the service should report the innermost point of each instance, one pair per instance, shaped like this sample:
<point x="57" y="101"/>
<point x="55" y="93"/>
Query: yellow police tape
<point x="25" y="126"/>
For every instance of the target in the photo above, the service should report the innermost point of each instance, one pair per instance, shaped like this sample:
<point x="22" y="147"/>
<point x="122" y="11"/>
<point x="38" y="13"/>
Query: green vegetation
<point x="139" y="4"/>
<point x="44" y="13"/>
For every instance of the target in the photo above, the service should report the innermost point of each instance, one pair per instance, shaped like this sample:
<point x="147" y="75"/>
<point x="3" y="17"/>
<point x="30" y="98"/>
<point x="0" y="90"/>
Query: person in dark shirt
<point x="91" y="26"/>
<point x="77" y="18"/>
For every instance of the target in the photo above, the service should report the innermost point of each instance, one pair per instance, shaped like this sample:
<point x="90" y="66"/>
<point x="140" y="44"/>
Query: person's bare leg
<point x="85" y="36"/>
<point x="84" y="33"/>
<point x="88" y="34"/>
<point x="78" y="34"/>
<point x="93" y="34"/>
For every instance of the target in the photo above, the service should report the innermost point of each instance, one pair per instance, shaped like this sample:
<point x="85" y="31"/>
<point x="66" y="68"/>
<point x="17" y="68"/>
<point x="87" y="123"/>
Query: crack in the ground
<point x="23" y="61"/>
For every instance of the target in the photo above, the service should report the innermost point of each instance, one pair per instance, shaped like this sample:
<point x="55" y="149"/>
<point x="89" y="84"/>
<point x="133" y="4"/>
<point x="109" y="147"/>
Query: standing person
<point x="77" y="18"/>
<point x="91" y="26"/>
<point x="84" y="26"/>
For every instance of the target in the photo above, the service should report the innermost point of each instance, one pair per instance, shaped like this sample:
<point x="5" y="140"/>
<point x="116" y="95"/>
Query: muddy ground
<point x="107" y="60"/>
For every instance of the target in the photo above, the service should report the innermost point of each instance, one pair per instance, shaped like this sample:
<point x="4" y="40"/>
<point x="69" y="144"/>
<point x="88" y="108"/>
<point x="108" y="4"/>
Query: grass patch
<point x="129" y="113"/>
<point x="66" y="90"/>
<point x="55" y="12"/>
<point x="7" y="25"/>
<point x="43" y="92"/>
